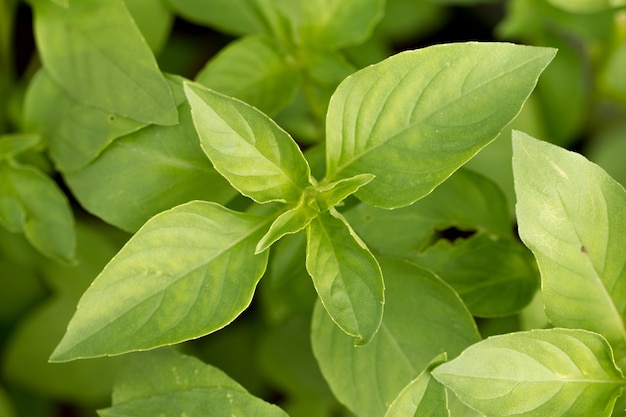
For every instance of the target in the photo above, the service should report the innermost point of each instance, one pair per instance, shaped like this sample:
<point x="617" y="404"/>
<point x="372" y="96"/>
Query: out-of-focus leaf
<point x="154" y="20"/>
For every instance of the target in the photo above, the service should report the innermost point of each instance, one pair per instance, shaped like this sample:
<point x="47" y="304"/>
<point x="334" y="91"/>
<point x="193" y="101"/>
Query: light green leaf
<point x="495" y="277"/>
<point x="425" y="113"/>
<point x="154" y="20"/>
<point x="14" y="144"/>
<point x="289" y="222"/>
<point x="146" y="172"/>
<point x="169" y="384"/>
<point x="346" y="276"/>
<point x="235" y="17"/>
<point x="424" y="396"/>
<point x="587" y="6"/>
<point x="32" y="203"/>
<point x="187" y="272"/>
<point x="330" y="195"/>
<point x="331" y="24"/>
<point x="251" y="151"/>
<point x="571" y="215"/>
<point x="255" y="70"/>
<point x="423" y="318"/>
<point x="113" y="70"/>
<point x="75" y="133"/>
<point x="555" y="372"/>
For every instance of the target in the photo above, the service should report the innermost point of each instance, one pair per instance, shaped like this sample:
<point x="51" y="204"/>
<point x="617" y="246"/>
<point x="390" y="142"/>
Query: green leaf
<point x="330" y="195"/>
<point x="75" y="133"/>
<point x="235" y="17"/>
<point x="555" y="372"/>
<point x="255" y="70"/>
<point x="423" y="318"/>
<point x="571" y="215"/>
<point x="25" y="355"/>
<point x="346" y="276"/>
<point x="154" y="20"/>
<point x="467" y="201"/>
<point x="32" y="203"/>
<point x="14" y="144"/>
<point x="331" y="24"/>
<point x="289" y="222"/>
<point x="187" y="272"/>
<point x="256" y="156"/>
<point x="167" y="383"/>
<point x="113" y="70"/>
<point x="424" y="396"/>
<point x="425" y="113"/>
<point x="587" y="6"/>
<point x="146" y="172"/>
<point x="495" y="277"/>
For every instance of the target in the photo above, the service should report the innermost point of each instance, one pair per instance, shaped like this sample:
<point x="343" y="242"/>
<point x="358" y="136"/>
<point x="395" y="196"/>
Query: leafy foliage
<point x="320" y="207"/>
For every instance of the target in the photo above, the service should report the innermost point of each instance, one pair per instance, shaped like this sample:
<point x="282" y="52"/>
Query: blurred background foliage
<point x="579" y="103"/>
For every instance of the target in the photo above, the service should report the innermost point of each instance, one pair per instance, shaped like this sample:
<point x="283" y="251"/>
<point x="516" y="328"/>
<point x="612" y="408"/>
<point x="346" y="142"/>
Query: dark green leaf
<point x="187" y="272"/>
<point x="415" y="118"/>
<point x="32" y="203"/>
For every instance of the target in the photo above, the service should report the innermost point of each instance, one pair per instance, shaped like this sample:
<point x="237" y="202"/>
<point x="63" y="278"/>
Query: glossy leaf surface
<point x="416" y="117"/>
<point x="423" y="318"/>
<point x="167" y="383"/>
<point x="571" y="215"/>
<point x="188" y="272"/>
<point x="346" y="276"/>
<point x="256" y="156"/>
<point x="113" y="70"/>
<point x="539" y="373"/>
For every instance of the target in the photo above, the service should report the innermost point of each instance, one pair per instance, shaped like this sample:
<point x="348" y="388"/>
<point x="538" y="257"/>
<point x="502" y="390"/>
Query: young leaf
<point x="555" y="372"/>
<point x="32" y="203"/>
<point x="330" y="195"/>
<point x="424" y="396"/>
<point x="571" y="215"/>
<point x="256" y="156"/>
<point x="415" y="118"/>
<point x="423" y="318"/>
<point x="166" y="382"/>
<point x="289" y="222"/>
<point x="187" y="272"/>
<point x="346" y="276"/>
<point x="255" y="70"/>
<point x="151" y="170"/>
<point x="113" y="70"/>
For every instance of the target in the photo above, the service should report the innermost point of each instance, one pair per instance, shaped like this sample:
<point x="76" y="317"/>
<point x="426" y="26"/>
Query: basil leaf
<point x="256" y="156"/>
<point x="187" y="272"/>
<point x="415" y="118"/>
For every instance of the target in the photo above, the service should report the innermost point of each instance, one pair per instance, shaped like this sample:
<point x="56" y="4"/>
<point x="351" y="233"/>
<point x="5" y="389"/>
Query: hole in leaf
<point x="452" y="233"/>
